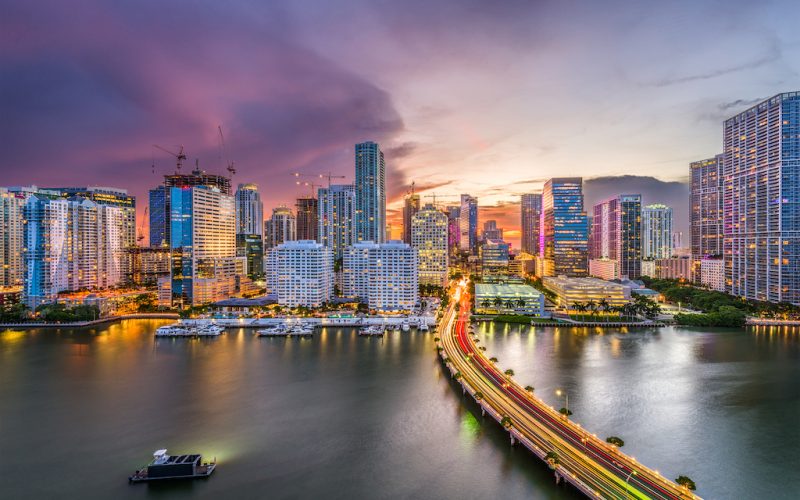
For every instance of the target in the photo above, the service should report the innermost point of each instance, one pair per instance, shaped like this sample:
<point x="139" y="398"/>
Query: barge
<point x="164" y="466"/>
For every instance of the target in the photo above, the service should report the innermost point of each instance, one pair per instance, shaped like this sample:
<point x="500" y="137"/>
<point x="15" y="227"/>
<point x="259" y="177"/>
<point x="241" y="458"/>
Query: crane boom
<point x="325" y="175"/>
<point x="180" y="156"/>
<point x="224" y="153"/>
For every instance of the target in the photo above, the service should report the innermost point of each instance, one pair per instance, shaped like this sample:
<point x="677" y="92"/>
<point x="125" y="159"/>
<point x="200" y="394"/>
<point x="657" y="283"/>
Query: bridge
<point x="594" y="467"/>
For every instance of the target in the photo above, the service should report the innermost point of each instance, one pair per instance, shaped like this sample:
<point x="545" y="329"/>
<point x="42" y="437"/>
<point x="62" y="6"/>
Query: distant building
<point x="675" y="268"/>
<point x="761" y="226"/>
<point x="565" y="230"/>
<point x="617" y="233"/>
<point x="656" y="232"/>
<point x="12" y="206"/>
<point x="429" y="232"/>
<point x="411" y="205"/>
<point x="337" y="218"/>
<point x="494" y="257"/>
<point x="712" y="274"/>
<point x="468" y="224"/>
<point x="508" y="299"/>
<point x="453" y="229"/>
<point x="491" y="231"/>
<point x="607" y="269"/>
<point x="249" y="210"/>
<point x="300" y="273"/>
<point x="203" y="245"/>
<point x="706" y="207"/>
<point x="382" y="275"/>
<point x="530" y="212"/>
<point x="145" y="265"/>
<point x="281" y="227"/>
<point x="649" y="268"/>
<point x="251" y="248"/>
<point x="571" y="290"/>
<point x="307" y="218"/>
<point x="370" y="185"/>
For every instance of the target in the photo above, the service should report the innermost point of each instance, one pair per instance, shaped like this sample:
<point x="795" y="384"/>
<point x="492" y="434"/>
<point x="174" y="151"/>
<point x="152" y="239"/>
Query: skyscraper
<point x="530" y="212"/>
<point x="281" y="227"/>
<point x="249" y="210"/>
<point x="411" y="204"/>
<point x="564" y="248"/>
<point x="307" y="218"/>
<point x="113" y="197"/>
<point x="429" y="231"/>
<point x="370" y="187"/>
<point x="468" y="224"/>
<point x="337" y="217"/>
<point x="203" y="245"/>
<point x="159" y="217"/>
<point x="12" y="206"/>
<point x="761" y="200"/>
<point x="300" y="273"/>
<point x="384" y="275"/>
<point x="656" y="232"/>
<point x="617" y="233"/>
<point x="453" y="229"/>
<point x="491" y="231"/>
<point x="706" y="207"/>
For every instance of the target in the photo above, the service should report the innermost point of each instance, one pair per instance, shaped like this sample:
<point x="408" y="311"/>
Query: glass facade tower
<point x="563" y="242"/>
<point x="370" y="187"/>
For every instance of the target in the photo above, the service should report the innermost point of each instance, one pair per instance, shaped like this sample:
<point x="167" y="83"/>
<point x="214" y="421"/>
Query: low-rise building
<point x="607" y="269"/>
<point x="649" y="268"/>
<point x="571" y="290"/>
<point x="712" y="274"/>
<point x="491" y="298"/>
<point x="675" y="268"/>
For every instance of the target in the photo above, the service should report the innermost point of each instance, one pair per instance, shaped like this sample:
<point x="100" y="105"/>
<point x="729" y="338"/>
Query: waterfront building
<point x="491" y="231"/>
<point x="281" y="227"/>
<point x="160" y="208"/>
<point x="617" y="233"/>
<point x="656" y="232"/>
<point x="383" y="275"/>
<point x="12" y="206"/>
<point x="508" y="299"/>
<point x="411" y="205"/>
<point x="429" y="233"/>
<point x="337" y="218"/>
<point x="307" y="218"/>
<point x="604" y="268"/>
<point x="676" y="268"/>
<point x="249" y="210"/>
<point x="571" y="290"/>
<point x="530" y="215"/>
<point x="564" y="242"/>
<point x="300" y="273"/>
<point x="468" y="224"/>
<point x="453" y="229"/>
<point x="251" y="248"/>
<point x="712" y="274"/>
<point x="47" y="253"/>
<point x="761" y="187"/>
<point x="125" y="204"/>
<point x="494" y="257"/>
<point x="706" y="207"/>
<point x="203" y="245"/>
<point x="370" y="185"/>
<point x="144" y="266"/>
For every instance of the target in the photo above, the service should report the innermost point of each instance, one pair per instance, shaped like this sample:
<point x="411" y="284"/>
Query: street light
<point x="559" y="393"/>
<point x="633" y="473"/>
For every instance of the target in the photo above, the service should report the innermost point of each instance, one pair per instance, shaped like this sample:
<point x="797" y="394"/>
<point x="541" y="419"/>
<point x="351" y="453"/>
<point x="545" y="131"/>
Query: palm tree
<point x="498" y="302"/>
<point x="457" y="375"/>
<point x="493" y="359"/>
<point x="521" y="303"/>
<point x="565" y="412"/>
<point x="618" y="442"/>
<point x="592" y="306"/>
<point x="579" y="306"/>
<point x="506" y="422"/>
<point x="510" y="304"/>
<point x="478" y="396"/>
<point x="552" y="459"/>
<point x="529" y="388"/>
<point x="605" y="306"/>
<point x="486" y="303"/>
<point x="686" y="482"/>
<point x="509" y="373"/>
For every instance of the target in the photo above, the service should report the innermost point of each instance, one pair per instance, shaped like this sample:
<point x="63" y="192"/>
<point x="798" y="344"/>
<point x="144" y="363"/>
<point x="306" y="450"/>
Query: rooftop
<point x="505" y="290"/>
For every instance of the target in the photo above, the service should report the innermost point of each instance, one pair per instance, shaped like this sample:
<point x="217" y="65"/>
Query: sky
<point x="486" y="98"/>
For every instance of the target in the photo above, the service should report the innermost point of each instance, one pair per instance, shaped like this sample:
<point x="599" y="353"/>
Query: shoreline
<point x="83" y="324"/>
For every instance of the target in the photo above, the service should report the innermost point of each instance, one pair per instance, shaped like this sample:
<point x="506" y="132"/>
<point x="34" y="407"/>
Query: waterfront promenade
<point x="594" y="467"/>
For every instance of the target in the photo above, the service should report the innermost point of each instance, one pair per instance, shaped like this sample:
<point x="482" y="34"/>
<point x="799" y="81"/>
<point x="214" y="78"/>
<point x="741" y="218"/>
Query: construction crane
<point x="312" y="185"/>
<point x="327" y="175"/>
<point x="435" y="196"/>
<point x="180" y="156"/>
<point x="224" y="153"/>
<point x="140" y="236"/>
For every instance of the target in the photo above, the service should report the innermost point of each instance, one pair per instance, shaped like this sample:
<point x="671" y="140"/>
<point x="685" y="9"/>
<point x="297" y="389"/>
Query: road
<point x="593" y="466"/>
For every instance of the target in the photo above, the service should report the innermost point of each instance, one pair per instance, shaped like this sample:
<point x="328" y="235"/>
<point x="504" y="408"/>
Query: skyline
<point x="86" y="98"/>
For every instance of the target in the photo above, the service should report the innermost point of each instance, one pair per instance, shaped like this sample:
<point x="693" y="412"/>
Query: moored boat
<point x="164" y="466"/>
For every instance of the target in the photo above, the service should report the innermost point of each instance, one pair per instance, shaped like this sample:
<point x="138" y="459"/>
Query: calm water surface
<point x="340" y="416"/>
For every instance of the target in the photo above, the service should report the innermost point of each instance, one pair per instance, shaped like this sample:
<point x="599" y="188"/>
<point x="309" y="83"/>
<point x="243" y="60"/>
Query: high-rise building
<point x="281" y="227"/>
<point x="251" y="248"/>
<point x="411" y="205"/>
<point x="160" y="209"/>
<point x="383" y="275"/>
<point x="761" y="212"/>
<point x="113" y="197"/>
<point x="370" y="187"/>
<point x="564" y="249"/>
<point x="300" y="273"/>
<point x="617" y="233"/>
<point x="656" y="232"/>
<point x="12" y="206"/>
<point x="706" y="207"/>
<point x="429" y="232"/>
<point x="307" y="218"/>
<point x="203" y="245"/>
<point x="337" y="218"/>
<point x="491" y="231"/>
<point x="453" y="229"/>
<point x="494" y="257"/>
<point x="468" y="224"/>
<point x="530" y="211"/>
<point x="249" y="210"/>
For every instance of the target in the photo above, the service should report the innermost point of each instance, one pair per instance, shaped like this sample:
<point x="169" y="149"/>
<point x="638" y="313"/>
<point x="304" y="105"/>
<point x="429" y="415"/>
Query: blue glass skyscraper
<point x="370" y="188"/>
<point x="564" y="242"/>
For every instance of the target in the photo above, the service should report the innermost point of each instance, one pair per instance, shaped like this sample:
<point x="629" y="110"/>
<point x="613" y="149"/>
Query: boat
<point x="278" y="330"/>
<point x="164" y="466"/>
<point x="372" y="331"/>
<point x="179" y="330"/>
<point x="405" y="327"/>
<point x="423" y="327"/>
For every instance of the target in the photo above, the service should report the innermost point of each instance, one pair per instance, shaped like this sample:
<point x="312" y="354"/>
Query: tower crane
<point x="312" y="185"/>
<point x="180" y="156"/>
<point x="224" y="153"/>
<point x="435" y="196"/>
<point x="327" y="175"/>
<point x="140" y="236"/>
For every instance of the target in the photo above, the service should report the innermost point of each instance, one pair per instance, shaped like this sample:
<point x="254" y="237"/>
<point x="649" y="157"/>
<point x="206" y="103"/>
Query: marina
<point x="372" y="331"/>
<point x="183" y="330"/>
<point x="284" y="330"/>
